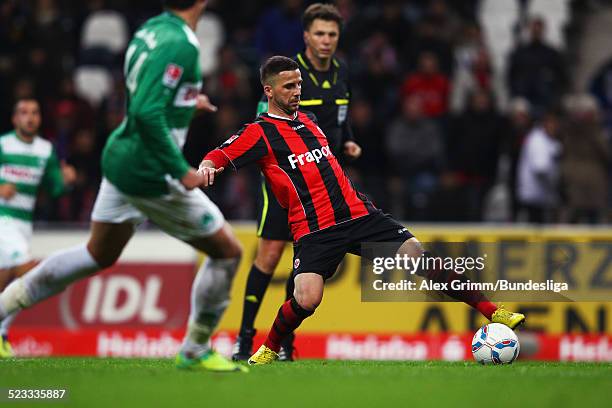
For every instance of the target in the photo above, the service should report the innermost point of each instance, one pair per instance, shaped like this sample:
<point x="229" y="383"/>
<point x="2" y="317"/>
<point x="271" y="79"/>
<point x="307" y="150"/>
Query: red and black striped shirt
<point x="301" y="169"/>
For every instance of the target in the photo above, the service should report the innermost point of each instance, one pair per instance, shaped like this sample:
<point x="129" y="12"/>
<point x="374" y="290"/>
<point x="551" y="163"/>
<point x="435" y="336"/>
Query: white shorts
<point x="15" y="237"/>
<point x="186" y="215"/>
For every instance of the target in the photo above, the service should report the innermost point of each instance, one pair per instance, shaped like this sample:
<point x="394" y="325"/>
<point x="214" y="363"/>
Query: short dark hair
<point x="178" y="4"/>
<point x="275" y="65"/>
<point x="327" y="12"/>
<point x="20" y="99"/>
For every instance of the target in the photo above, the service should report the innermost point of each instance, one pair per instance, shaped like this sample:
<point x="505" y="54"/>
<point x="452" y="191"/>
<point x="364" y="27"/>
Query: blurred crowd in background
<point x="445" y="135"/>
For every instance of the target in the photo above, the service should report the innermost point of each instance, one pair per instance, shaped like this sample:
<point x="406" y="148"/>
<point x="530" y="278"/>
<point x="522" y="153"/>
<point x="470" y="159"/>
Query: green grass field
<point x="314" y="383"/>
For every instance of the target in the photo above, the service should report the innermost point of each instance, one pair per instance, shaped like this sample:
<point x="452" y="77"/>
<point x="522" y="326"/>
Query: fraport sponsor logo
<point x="313" y="156"/>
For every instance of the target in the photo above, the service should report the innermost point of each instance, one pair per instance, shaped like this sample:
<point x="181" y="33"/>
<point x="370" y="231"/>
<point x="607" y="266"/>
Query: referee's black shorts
<point x="272" y="219"/>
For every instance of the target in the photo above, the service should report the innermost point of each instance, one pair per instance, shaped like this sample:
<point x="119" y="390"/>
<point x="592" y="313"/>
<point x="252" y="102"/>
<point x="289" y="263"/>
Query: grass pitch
<point x="108" y="383"/>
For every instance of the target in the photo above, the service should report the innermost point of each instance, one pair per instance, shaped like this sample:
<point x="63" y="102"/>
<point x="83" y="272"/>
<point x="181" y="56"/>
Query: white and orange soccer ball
<point x="495" y="343"/>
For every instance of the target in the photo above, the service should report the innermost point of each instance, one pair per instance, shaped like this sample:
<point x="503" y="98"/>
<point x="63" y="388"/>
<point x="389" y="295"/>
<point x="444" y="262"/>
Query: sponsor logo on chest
<point x="20" y="174"/>
<point x="313" y="156"/>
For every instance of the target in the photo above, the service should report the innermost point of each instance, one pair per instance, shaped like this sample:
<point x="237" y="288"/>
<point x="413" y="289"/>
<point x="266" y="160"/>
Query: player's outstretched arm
<point x="246" y="146"/>
<point x="208" y="171"/>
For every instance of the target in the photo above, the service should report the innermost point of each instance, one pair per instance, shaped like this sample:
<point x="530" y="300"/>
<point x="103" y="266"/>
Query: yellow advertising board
<point x="581" y="255"/>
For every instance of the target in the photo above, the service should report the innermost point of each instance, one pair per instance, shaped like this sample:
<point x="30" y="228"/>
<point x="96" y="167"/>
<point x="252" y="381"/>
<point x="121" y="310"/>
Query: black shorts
<point x="272" y="219"/>
<point x="321" y="252"/>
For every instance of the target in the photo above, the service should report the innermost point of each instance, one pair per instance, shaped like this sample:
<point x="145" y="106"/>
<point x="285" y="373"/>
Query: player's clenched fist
<point x="208" y="171"/>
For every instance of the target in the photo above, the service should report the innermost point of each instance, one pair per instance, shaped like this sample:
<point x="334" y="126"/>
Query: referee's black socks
<point x="257" y="284"/>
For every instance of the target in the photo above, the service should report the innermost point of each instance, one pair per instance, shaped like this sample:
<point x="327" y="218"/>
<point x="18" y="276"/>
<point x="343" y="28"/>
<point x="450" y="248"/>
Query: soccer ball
<point x="495" y="343"/>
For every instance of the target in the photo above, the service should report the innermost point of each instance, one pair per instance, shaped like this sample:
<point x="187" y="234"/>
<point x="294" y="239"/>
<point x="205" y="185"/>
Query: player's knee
<point x="412" y="247"/>
<point x="308" y="298"/>
<point x="309" y="302"/>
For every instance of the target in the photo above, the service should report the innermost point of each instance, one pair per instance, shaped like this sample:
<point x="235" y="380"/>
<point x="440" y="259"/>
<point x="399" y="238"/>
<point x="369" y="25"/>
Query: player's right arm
<point x="246" y="146"/>
<point x="152" y="76"/>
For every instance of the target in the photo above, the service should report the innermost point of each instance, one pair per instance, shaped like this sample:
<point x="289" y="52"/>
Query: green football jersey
<point x="28" y="166"/>
<point x="163" y="80"/>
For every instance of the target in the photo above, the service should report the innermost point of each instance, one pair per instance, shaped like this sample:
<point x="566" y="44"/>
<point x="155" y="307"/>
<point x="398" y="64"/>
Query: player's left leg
<point x="194" y="219"/>
<point x="315" y="259"/>
<point x="382" y="228"/>
<point x="308" y="295"/>
<point x="476" y="299"/>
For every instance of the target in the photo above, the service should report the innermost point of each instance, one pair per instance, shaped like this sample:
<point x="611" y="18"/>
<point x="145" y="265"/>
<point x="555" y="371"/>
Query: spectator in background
<point x="539" y="171"/>
<point x="519" y="126"/>
<point x="51" y="29"/>
<point x="211" y="35"/>
<point x="471" y="77"/>
<point x="377" y="73"/>
<point x="428" y="40"/>
<point x="601" y="88"/>
<point x="111" y="112"/>
<point x="448" y="25"/>
<point x="415" y="148"/>
<point x="474" y="146"/>
<point x="69" y="112"/>
<point x="372" y="166"/>
<point x="85" y="159"/>
<point x="391" y="21"/>
<point x="229" y="84"/>
<point x="279" y="31"/>
<point x="13" y="30"/>
<point x="585" y="163"/>
<point x="39" y="65"/>
<point x="536" y="70"/>
<point x="428" y="84"/>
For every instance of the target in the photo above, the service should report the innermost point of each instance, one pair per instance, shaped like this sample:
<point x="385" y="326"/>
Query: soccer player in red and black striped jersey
<point x="328" y="217"/>
<point x="326" y="93"/>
